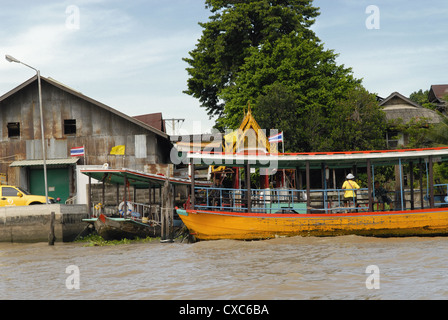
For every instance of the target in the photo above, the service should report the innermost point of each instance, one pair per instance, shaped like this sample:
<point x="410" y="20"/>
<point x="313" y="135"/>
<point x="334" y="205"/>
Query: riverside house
<point x="79" y="131"/>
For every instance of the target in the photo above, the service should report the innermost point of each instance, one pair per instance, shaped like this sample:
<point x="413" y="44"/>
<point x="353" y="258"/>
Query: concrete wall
<point x="32" y="223"/>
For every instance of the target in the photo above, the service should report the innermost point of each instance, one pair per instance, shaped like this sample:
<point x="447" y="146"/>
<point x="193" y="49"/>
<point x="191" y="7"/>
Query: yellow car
<point x="15" y="196"/>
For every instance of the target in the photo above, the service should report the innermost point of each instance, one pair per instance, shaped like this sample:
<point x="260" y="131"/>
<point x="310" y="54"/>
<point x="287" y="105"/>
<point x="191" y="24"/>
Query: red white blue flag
<point x="276" y="138"/>
<point x="77" y="152"/>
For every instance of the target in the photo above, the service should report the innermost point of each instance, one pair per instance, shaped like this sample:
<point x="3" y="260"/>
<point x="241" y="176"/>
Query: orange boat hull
<point x="214" y="225"/>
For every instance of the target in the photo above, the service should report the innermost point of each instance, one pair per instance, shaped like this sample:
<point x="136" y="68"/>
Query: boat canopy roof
<point x="316" y="159"/>
<point x="138" y="179"/>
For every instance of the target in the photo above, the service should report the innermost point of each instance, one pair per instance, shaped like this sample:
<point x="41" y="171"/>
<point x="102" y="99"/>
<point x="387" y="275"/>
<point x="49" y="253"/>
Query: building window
<point x="395" y="139"/>
<point x="13" y="129"/>
<point x="70" y="126"/>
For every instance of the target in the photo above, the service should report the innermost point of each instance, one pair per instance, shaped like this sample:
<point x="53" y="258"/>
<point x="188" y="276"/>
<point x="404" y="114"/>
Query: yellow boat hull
<point x="214" y="225"/>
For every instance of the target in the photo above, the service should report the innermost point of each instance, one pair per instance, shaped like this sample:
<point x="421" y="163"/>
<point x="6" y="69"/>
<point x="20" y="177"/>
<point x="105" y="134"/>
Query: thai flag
<point x="76" y="152"/>
<point x="277" y="138"/>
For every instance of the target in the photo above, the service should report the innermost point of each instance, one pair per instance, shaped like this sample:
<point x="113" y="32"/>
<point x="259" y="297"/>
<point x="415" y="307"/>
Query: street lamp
<point x="12" y="59"/>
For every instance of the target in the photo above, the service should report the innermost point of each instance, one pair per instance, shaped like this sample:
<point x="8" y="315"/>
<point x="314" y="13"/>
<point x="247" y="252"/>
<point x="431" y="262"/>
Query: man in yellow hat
<point x="350" y="187"/>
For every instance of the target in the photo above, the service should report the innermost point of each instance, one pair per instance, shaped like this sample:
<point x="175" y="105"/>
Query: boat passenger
<point x="350" y="194"/>
<point x="381" y="195"/>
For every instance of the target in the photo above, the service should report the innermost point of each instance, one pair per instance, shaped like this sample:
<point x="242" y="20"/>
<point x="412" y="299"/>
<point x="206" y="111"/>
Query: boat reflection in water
<point x="220" y="213"/>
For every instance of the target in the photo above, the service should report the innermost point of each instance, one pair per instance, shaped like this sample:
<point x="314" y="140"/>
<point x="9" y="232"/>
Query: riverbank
<point x="33" y="224"/>
<point x="95" y="240"/>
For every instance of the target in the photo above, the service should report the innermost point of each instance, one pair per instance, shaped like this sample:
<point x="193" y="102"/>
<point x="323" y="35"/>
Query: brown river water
<point x="284" y="268"/>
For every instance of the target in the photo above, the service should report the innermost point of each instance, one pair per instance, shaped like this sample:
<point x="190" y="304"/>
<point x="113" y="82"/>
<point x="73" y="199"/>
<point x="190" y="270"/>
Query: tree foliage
<point x="422" y="98"/>
<point x="299" y="89"/>
<point x="236" y="27"/>
<point x="265" y="52"/>
<point x="438" y="133"/>
<point x="356" y="123"/>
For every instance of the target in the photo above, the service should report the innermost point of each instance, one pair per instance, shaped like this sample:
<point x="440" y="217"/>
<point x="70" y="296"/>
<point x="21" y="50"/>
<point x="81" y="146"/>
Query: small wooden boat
<point x="129" y="223"/>
<point x="246" y="214"/>
<point x="125" y="228"/>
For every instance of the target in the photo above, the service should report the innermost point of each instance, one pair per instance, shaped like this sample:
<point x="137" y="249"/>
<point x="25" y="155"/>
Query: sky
<point x="128" y="54"/>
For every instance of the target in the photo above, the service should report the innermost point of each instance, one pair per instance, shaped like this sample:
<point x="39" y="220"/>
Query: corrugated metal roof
<point x="49" y="162"/>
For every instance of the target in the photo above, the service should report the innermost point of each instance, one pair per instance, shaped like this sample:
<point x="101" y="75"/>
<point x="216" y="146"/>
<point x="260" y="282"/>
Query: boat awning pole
<point x="103" y="195"/>
<point x="411" y="172"/>
<point x="89" y="199"/>
<point x="431" y="182"/>
<point x="369" y="184"/>
<point x="308" y="188"/>
<point x="420" y="177"/>
<point x="401" y="184"/>
<point x="192" y="193"/>
<point x="249" y="196"/>
<point x="324" y="186"/>
<point x="125" y="207"/>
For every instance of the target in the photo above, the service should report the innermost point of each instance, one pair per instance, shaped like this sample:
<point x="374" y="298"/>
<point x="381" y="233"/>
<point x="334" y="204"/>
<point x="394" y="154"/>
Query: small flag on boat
<point x="276" y="138"/>
<point x="77" y="152"/>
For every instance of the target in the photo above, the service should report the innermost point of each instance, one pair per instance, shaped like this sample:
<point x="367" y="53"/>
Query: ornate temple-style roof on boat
<point x="248" y="137"/>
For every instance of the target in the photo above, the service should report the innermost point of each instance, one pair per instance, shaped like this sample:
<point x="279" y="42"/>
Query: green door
<point x="57" y="180"/>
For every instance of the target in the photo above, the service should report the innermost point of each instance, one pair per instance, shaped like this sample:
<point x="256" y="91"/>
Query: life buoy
<point x="130" y="207"/>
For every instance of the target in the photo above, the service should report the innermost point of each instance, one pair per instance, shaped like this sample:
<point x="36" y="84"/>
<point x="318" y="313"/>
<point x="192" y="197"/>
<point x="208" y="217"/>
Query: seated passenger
<point x="381" y="195"/>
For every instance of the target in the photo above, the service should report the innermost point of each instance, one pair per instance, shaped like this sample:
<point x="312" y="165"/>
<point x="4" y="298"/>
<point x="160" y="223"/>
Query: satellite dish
<point x="105" y="166"/>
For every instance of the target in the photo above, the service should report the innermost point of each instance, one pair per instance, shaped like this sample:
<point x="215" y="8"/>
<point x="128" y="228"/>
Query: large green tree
<point x="234" y="29"/>
<point x="357" y="123"/>
<point x="298" y="88"/>
<point x="264" y="52"/>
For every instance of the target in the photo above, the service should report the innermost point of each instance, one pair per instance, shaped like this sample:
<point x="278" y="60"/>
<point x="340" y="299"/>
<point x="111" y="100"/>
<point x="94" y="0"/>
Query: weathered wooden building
<point x="71" y="120"/>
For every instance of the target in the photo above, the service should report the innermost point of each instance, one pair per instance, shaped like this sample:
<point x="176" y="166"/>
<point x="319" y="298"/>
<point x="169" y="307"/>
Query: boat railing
<point x="130" y="209"/>
<point x="441" y="194"/>
<point x="321" y="200"/>
<point x="271" y="200"/>
<point x="143" y="211"/>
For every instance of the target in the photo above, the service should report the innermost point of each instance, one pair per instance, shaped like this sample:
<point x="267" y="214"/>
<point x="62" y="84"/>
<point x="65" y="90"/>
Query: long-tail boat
<point x="420" y="209"/>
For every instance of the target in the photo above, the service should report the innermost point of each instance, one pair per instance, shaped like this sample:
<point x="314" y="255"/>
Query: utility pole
<point x="173" y="121"/>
